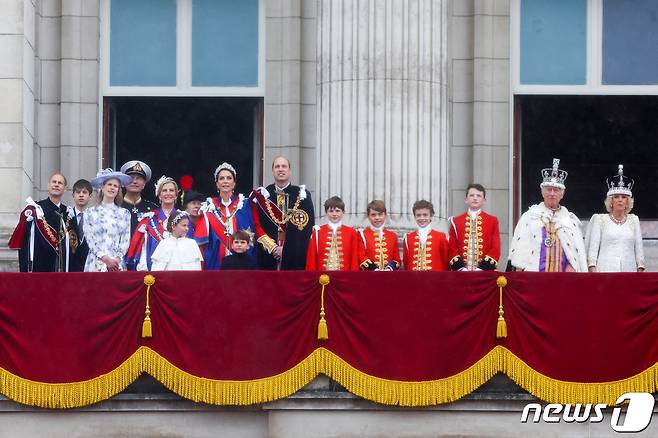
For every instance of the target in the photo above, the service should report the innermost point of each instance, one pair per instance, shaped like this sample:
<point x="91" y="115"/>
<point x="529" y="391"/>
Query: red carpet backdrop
<point x="400" y="338"/>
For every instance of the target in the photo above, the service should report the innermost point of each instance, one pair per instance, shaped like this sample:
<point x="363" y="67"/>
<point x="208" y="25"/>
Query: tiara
<point x="554" y="176"/>
<point x="178" y="216"/>
<point x="225" y="166"/>
<point x="163" y="179"/>
<point x="620" y="184"/>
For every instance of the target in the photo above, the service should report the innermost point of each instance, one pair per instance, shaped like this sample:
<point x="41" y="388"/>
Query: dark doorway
<point x="591" y="135"/>
<point x="180" y="136"/>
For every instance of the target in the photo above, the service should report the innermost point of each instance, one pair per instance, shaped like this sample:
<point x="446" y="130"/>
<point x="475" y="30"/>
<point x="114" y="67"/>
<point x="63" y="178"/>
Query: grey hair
<point x="608" y="204"/>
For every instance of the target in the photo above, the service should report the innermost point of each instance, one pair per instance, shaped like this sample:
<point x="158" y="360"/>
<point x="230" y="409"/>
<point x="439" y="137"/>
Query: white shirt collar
<point x="423" y="232"/>
<point x="335" y="226"/>
<point x="279" y="189"/>
<point x="474" y="213"/>
<point x="379" y="230"/>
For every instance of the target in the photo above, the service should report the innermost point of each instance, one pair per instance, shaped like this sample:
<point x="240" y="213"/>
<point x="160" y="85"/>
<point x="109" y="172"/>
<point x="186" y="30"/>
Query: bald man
<point x="46" y="235"/>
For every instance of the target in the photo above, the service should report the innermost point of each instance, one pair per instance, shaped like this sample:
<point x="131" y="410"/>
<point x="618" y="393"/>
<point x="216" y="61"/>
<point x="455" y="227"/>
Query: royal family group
<point x="111" y="227"/>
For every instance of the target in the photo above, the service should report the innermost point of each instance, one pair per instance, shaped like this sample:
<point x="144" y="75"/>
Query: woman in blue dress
<point x="152" y="228"/>
<point x="221" y="217"/>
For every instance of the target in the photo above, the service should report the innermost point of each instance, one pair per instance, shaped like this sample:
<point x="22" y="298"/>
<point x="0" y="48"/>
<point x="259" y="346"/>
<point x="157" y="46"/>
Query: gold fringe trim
<point x="230" y="392"/>
<point x="400" y="393"/>
<point x="565" y="392"/>
<point x="74" y="394"/>
<point x="320" y="361"/>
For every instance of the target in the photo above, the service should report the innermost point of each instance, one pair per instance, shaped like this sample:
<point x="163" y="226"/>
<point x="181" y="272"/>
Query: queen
<point x="614" y="239"/>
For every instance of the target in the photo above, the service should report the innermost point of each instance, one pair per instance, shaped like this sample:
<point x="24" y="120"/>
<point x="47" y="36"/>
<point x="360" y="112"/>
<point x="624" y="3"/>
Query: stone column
<point x="491" y="116"/>
<point x="382" y="105"/>
<point x="79" y="134"/>
<point x="17" y="95"/>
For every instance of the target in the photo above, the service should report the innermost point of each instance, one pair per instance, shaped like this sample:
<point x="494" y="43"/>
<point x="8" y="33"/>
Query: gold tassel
<point x="323" y="330"/>
<point x="147" y="330"/>
<point x="501" y="326"/>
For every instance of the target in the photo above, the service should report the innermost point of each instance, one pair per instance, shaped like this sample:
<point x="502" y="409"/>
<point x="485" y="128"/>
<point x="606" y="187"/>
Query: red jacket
<point x="378" y="253"/>
<point x="486" y="251"/>
<point x="323" y="242"/>
<point x="432" y="257"/>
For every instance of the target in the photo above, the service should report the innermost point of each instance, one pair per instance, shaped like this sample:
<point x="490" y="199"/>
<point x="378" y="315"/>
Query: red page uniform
<point x="378" y="249"/>
<point x="331" y="250"/>
<point x="430" y="255"/>
<point x="474" y="242"/>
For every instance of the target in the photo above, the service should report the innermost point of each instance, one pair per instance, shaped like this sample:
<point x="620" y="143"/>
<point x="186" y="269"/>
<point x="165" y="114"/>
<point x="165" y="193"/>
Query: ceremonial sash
<point x="262" y="202"/>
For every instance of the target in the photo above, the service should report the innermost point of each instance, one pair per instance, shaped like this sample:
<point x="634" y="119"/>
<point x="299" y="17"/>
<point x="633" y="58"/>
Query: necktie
<point x="81" y="222"/>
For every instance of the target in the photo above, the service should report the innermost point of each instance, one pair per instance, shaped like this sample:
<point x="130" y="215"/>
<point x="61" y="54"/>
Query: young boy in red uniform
<point x="333" y="245"/>
<point x="425" y="249"/>
<point x="378" y="247"/>
<point x="474" y="238"/>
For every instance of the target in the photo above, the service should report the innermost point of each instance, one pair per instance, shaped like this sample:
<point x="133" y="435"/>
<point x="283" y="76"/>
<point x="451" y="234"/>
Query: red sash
<point x="262" y="202"/>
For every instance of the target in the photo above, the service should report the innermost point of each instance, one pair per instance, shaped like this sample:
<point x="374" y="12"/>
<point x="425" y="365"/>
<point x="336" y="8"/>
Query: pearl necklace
<point x="618" y="221"/>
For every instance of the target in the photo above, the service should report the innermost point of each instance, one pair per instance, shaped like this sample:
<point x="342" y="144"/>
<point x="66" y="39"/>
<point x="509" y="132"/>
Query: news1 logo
<point x="637" y="418"/>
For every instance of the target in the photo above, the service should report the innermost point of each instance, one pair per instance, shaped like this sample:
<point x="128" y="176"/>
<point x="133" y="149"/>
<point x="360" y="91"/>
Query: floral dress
<point x="107" y="231"/>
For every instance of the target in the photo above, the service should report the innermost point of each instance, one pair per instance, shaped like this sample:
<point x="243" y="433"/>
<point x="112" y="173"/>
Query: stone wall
<point x="480" y="93"/>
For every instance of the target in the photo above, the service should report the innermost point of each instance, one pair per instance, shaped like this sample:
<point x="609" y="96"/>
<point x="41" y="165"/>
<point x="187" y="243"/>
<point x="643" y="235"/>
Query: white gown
<point x="613" y="247"/>
<point x="177" y="254"/>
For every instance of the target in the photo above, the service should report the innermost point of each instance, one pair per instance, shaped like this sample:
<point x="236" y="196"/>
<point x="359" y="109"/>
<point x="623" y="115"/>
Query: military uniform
<point x="137" y="211"/>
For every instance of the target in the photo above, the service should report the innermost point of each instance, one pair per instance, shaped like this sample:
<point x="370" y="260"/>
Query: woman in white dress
<point x="615" y="239"/>
<point x="107" y="224"/>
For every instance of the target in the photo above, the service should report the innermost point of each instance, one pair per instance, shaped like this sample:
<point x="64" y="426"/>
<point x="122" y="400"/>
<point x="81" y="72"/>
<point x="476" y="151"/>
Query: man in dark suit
<point x="285" y="213"/>
<point x="82" y="191"/>
<point x="45" y="235"/>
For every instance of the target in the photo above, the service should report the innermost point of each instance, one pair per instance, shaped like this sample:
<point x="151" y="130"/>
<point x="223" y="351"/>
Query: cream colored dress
<point x="177" y="254"/>
<point x="614" y="247"/>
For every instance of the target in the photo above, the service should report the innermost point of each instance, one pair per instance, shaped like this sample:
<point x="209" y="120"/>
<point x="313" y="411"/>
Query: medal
<point x="299" y="218"/>
<point x="548" y="242"/>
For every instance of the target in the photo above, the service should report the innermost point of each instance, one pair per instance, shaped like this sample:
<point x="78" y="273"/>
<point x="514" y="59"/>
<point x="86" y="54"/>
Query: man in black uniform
<point x="132" y="200"/>
<point x="45" y="235"/>
<point x="285" y="214"/>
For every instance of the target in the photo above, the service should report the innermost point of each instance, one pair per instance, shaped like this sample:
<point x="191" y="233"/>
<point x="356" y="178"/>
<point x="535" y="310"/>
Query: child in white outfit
<point x="177" y="252"/>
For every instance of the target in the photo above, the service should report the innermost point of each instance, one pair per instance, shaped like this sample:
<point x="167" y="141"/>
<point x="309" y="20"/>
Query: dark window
<point x="591" y="135"/>
<point x="179" y="136"/>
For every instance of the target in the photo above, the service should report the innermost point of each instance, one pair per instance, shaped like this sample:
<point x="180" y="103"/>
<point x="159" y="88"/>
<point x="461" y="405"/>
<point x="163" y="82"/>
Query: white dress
<point x="613" y="247"/>
<point x="177" y="254"/>
<point x="107" y="231"/>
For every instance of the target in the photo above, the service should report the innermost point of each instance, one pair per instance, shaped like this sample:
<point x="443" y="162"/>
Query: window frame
<point x="183" y="60"/>
<point x="594" y="61"/>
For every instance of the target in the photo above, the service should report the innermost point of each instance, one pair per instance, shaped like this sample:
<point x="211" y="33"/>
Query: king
<point x="548" y="237"/>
